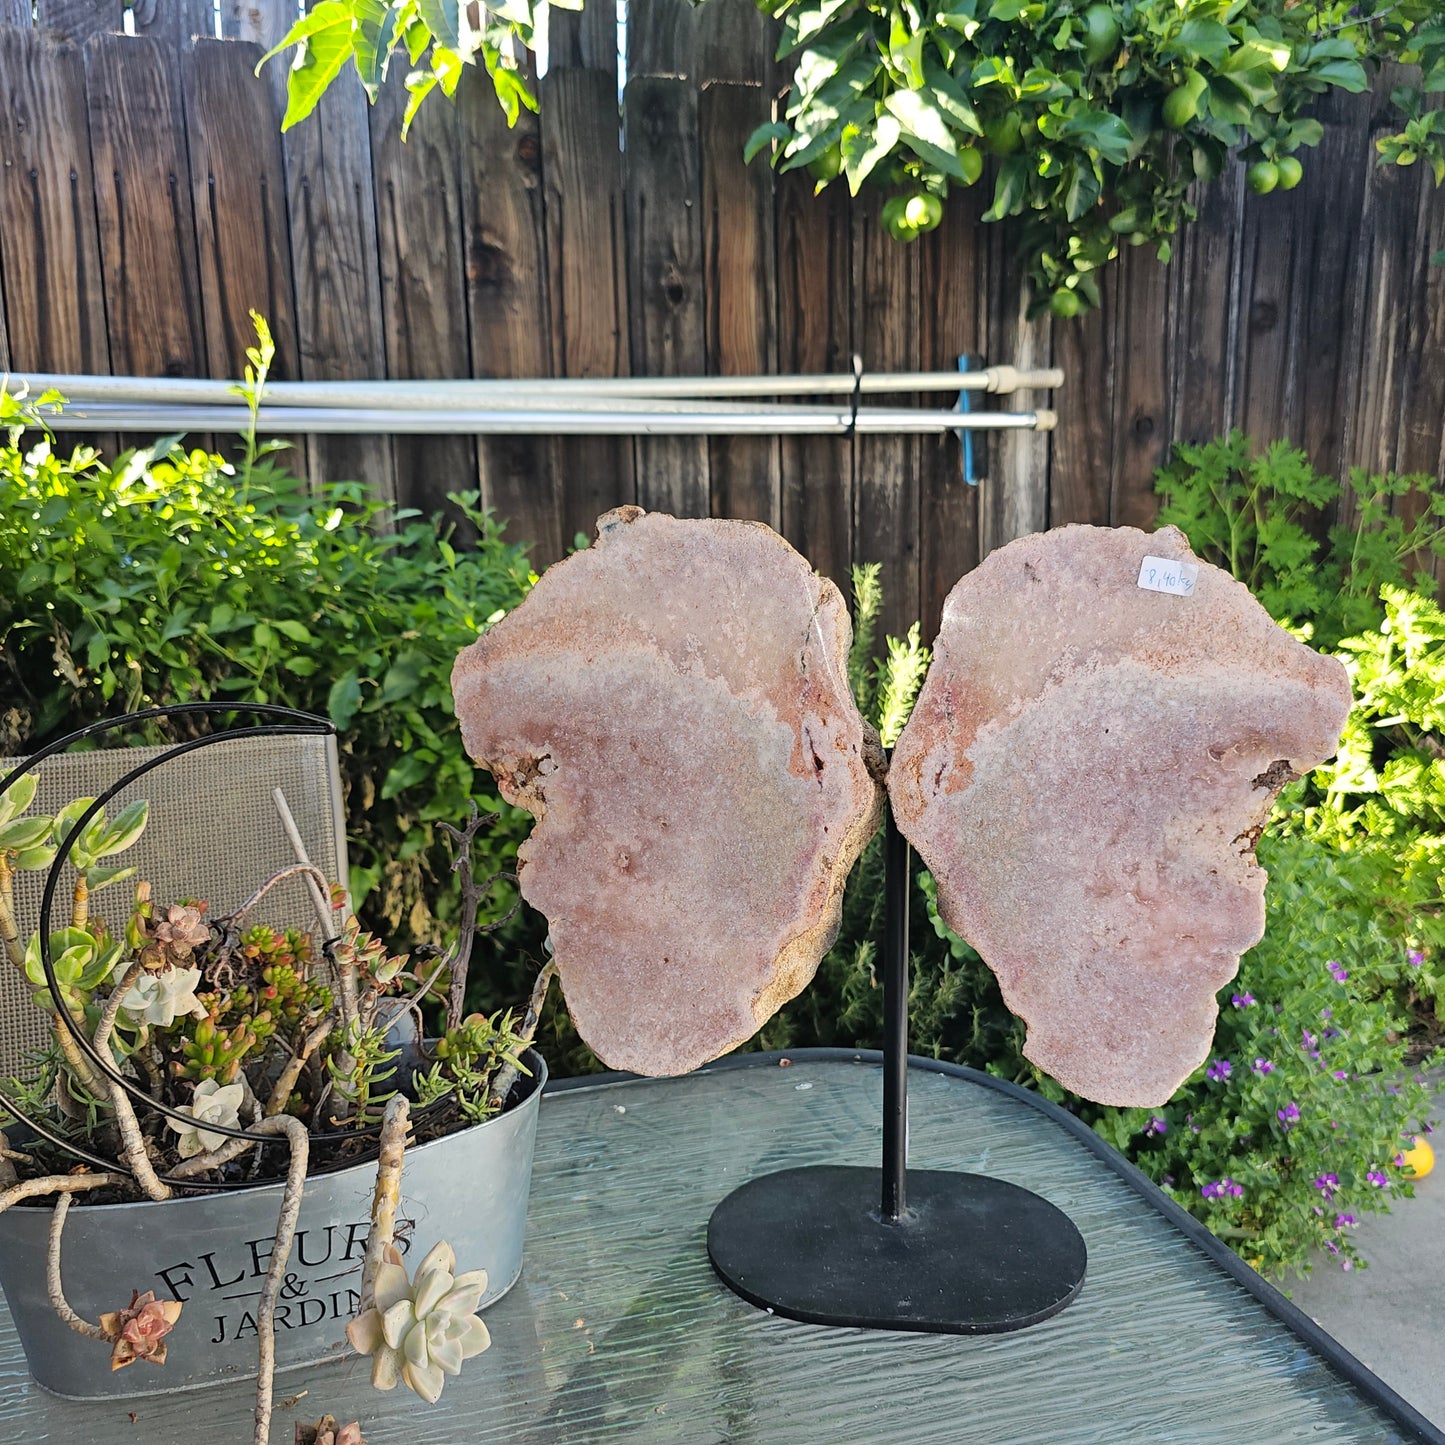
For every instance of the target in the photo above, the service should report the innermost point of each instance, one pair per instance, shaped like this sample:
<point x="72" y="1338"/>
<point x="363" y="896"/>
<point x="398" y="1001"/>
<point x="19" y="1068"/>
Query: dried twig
<point x="281" y="1092"/>
<point x="133" y="1146"/>
<point x="325" y="914"/>
<point x="394" y="1124"/>
<point x="472" y="896"/>
<point x="506" y="1076"/>
<point x="46" y="1184"/>
<point x="300" y="1141"/>
<point x="53" y="1285"/>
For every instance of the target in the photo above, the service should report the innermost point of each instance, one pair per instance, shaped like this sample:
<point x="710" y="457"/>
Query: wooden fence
<point x="147" y="201"/>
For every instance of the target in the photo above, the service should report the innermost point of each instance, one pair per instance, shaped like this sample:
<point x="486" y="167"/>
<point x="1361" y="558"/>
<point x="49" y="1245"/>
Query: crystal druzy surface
<point x="672" y="705"/>
<point x="1086" y="773"/>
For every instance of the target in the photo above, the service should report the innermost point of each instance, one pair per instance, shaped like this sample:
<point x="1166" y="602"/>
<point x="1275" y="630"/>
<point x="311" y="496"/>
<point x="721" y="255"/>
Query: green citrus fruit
<point x="826" y="166"/>
<point x="1262" y="177"/>
<point x="923" y="212"/>
<point x="1065" y="304"/>
<point x="1181" y="105"/>
<point x="970" y="160"/>
<point x="1101" y="33"/>
<point x="1291" y="172"/>
<point x="895" y="219"/>
<point x="1003" y="136"/>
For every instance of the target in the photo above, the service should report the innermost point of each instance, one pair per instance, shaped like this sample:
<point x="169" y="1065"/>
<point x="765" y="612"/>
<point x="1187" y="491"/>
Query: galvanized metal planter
<point x="213" y="1251"/>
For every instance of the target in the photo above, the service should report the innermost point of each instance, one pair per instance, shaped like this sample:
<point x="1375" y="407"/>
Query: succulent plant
<point x="327" y="1432"/>
<point x="171" y="942"/>
<point x="212" y="1103"/>
<point x="215" y="1053"/>
<point x="138" y="1332"/>
<point x="81" y="960"/>
<point x="157" y="998"/>
<point x="420" y="1331"/>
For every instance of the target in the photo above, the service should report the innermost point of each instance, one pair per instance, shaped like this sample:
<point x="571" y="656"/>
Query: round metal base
<point x="970" y="1256"/>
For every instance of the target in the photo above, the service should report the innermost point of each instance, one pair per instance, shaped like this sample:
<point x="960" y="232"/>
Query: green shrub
<point x="168" y="577"/>
<point x="1262" y="517"/>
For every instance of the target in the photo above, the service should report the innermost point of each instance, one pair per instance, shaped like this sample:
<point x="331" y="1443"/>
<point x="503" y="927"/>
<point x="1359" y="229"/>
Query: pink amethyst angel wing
<point x="1085" y="774"/>
<point x="672" y="705"/>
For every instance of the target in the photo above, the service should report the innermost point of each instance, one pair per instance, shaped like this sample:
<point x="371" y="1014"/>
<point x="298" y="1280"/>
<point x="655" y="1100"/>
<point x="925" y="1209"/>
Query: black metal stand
<point x="935" y="1251"/>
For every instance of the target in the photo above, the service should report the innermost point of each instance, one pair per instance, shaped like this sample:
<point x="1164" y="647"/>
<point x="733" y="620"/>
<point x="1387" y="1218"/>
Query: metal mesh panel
<point x="214" y="833"/>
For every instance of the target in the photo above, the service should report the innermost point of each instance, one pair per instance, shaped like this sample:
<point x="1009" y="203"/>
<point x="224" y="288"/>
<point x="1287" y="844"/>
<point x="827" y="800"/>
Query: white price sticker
<point x="1159" y="574"/>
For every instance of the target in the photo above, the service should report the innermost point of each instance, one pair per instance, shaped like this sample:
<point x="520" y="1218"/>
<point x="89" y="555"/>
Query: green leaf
<point x="1347" y="74"/>
<point x="125" y="828"/>
<point x="296" y="631"/>
<point x="420" y="84"/>
<point x="769" y="133"/>
<point x="33" y="858"/>
<point x="406" y="772"/>
<point x="374" y="39"/>
<point x="344" y="698"/>
<point x="443" y="18"/>
<point x="1010" y="188"/>
<point x="98" y="878"/>
<point x="19" y="797"/>
<point x="863" y="149"/>
<point x="324" y="40"/>
<point x="1206" y="40"/>
<point x="924" y="130"/>
<point x="1083" y="192"/>
<point x="950" y="97"/>
<point x="23" y="833"/>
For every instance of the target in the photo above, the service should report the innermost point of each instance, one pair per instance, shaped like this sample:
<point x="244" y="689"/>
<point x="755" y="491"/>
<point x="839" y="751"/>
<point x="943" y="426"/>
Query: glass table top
<point x="618" y="1329"/>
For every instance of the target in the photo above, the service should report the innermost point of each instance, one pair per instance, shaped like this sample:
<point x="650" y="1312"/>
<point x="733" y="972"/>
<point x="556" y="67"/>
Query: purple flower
<point x="1347" y="1264"/>
<point x="1326" y="1184"/>
<point x="1308" y="1040"/>
<point x="1327" y="1013"/>
<point x="1378" y="1178"/>
<point x="1288" y="1115"/>
<point x="1339" y="1074"/>
<point x="1342" y="1220"/>
<point x="1241" y="1000"/>
<point x="1331" y="1034"/>
<point x="1222" y="1187"/>
<point x="1399" y="1161"/>
<point x="1219" y="1071"/>
<point x="1338" y="971"/>
<point x="1168" y="1179"/>
<point x="1156" y="1125"/>
<point x="1414" y="958"/>
<point x="1263" y="1066"/>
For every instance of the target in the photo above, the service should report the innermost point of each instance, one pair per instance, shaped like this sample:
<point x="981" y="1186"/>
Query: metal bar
<point x="435" y="395"/>
<point x="895" y="1020"/>
<point x="636" y="421"/>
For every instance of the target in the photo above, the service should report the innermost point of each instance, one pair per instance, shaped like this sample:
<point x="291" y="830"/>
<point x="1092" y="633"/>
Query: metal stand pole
<point x="969" y="1254"/>
<point x="895" y="1022"/>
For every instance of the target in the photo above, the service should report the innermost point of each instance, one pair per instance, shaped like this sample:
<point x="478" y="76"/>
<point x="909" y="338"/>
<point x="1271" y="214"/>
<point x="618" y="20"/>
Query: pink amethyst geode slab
<point x="672" y="705"/>
<point x="1086" y="773"/>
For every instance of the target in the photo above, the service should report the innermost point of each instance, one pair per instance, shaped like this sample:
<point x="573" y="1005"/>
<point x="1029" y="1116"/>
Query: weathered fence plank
<point x="665" y="276"/>
<point x="239" y="196"/>
<point x="1014" y="496"/>
<point x="1204" y="304"/>
<point x="1141" y="389"/>
<point x="584" y="39"/>
<point x="78" y="20"/>
<point x="951" y="325"/>
<point x="511" y="334"/>
<point x="175" y="20"/>
<point x="587" y="259"/>
<point x="815" y="334"/>
<point x="54" y="296"/>
<point x="422" y="272"/>
<point x="740" y="291"/>
<point x="885" y="498"/>
<point x="1082" y="448"/>
<point x="334" y="260"/>
<point x="661" y="38"/>
<point x="15" y="12"/>
<point x="143" y="206"/>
